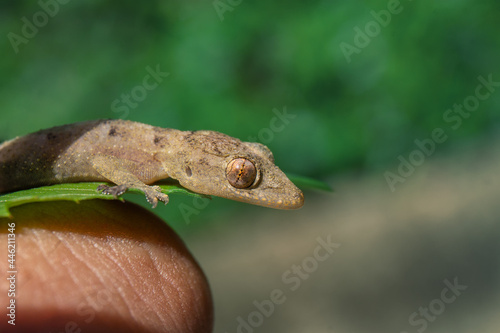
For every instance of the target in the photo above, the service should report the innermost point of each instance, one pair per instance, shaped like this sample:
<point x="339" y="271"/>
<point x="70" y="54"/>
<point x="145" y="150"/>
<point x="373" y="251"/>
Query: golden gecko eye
<point x="241" y="173"/>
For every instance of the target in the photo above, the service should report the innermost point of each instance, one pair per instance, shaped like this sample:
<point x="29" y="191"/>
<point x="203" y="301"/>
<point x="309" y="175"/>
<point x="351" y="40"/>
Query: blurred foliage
<point x="229" y="75"/>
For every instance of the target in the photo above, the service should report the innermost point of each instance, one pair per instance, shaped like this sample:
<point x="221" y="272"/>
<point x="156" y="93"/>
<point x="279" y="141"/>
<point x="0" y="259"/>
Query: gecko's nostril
<point x="297" y="201"/>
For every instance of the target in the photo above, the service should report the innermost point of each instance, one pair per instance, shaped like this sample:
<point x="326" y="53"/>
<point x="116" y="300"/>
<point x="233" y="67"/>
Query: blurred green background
<point x="229" y="75"/>
<point x="231" y="66"/>
<point x="232" y="69"/>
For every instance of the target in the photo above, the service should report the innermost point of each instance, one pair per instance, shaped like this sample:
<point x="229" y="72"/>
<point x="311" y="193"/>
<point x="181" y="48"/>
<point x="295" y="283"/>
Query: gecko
<point x="133" y="155"/>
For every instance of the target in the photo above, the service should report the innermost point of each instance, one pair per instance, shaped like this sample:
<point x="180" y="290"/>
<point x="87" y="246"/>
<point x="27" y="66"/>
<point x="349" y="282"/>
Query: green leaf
<point x="309" y="183"/>
<point x="74" y="192"/>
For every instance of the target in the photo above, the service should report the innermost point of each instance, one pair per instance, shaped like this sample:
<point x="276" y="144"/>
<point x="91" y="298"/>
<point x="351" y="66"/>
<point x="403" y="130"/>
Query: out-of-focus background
<point x="394" y="103"/>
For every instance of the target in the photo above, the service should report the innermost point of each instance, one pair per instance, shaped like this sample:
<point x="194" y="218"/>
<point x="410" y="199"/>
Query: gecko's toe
<point x="164" y="198"/>
<point x="152" y="200"/>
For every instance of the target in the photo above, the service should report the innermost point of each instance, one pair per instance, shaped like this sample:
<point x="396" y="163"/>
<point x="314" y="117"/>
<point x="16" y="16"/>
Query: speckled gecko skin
<point x="133" y="155"/>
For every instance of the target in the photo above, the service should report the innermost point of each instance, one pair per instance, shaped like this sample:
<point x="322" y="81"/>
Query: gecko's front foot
<point x="153" y="193"/>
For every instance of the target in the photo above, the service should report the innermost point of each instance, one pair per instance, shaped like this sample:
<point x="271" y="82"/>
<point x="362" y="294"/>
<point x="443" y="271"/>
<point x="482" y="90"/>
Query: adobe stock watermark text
<point x="292" y="279"/>
<point x="454" y="118"/>
<point x="11" y="273"/>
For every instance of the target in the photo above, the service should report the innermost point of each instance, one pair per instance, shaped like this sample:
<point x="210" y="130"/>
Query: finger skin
<point x="100" y="266"/>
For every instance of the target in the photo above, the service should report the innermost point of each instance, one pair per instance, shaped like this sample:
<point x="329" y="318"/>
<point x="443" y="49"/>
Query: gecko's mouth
<point x="293" y="198"/>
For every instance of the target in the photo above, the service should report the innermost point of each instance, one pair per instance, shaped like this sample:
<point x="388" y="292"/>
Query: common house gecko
<point x="133" y="155"/>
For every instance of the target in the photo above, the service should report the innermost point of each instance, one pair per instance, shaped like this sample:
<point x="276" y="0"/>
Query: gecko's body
<point x="132" y="155"/>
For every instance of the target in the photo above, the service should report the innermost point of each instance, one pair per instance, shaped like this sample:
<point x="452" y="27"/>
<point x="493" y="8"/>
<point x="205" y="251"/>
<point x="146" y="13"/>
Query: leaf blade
<point x="73" y="192"/>
<point x="309" y="183"/>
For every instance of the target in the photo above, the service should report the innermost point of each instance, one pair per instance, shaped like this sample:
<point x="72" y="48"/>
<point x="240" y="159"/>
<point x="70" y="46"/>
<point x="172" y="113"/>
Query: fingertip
<point x="102" y="266"/>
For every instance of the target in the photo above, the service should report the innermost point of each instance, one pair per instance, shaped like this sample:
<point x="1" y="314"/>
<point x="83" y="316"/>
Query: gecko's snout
<point x="296" y="201"/>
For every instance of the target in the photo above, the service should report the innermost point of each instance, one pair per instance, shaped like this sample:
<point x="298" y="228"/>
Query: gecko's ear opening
<point x="241" y="173"/>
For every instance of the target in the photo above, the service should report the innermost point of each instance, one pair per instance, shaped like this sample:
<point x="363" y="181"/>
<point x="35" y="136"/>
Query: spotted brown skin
<point x="134" y="155"/>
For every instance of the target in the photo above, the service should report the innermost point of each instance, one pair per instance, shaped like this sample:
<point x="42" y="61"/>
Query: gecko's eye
<point x="241" y="173"/>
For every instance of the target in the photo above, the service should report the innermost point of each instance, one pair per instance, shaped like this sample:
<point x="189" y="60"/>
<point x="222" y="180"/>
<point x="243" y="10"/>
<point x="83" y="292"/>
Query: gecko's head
<point x="244" y="171"/>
